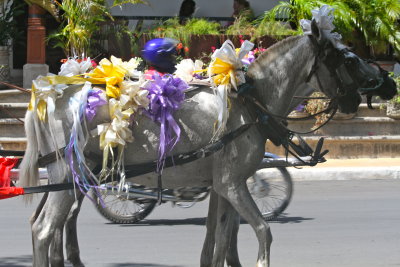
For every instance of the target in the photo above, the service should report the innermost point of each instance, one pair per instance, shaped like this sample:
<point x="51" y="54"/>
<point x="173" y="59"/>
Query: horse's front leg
<point x="232" y="256"/>
<point x="226" y="217"/>
<point x="51" y="217"/>
<point x="207" y="252"/>
<point x="56" y="248"/>
<point x="242" y="201"/>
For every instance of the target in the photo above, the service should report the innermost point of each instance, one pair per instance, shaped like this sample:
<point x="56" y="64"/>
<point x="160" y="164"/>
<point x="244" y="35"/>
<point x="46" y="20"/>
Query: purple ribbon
<point x="94" y="100"/>
<point x="166" y="95"/>
<point x="249" y="59"/>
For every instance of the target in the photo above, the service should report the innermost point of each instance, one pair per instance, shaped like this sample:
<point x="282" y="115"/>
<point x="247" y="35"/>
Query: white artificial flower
<point x="186" y="69"/>
<point x="72" y="67"/>
<point x="130" y="66"/>
<point x="133" y="96"/>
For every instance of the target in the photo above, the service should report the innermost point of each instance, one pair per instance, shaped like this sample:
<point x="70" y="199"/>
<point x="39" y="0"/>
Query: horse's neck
<point x="281" y="72"/>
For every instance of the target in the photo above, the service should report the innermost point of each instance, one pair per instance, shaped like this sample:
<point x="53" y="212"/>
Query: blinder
<point x="354" y="75"/>
<point x="339" y="63"/>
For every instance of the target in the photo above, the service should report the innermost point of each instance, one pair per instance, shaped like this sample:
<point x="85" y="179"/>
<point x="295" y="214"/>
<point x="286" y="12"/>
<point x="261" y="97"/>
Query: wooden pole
<point x="36" y="35"/>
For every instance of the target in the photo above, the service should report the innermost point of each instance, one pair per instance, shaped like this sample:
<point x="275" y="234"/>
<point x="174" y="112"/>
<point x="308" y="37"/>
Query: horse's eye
<point x="350" y="60"/>
<point x="371" y="83"/>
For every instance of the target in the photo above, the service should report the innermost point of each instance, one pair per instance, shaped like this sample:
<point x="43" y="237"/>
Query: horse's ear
<point x="315" y="30"/>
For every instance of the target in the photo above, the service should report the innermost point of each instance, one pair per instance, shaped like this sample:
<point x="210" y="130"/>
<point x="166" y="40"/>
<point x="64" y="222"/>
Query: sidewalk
<point x="348" y="169"/>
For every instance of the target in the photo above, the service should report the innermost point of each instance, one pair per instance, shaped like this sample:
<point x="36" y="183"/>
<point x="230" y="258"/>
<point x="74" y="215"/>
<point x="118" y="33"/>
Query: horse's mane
<point x="276" y="49"/>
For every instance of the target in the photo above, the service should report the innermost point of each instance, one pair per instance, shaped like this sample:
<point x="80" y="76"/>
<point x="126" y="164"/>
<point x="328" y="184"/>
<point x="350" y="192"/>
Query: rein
<point x="331" y="107"/>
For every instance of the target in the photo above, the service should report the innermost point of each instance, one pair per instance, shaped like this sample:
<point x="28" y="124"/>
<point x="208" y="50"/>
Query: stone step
<point x="379" y="110"/>
<point x="348" y="147"/>
<point x="340" y="147"/>
<point x="13" y="110"/>
<point x="11" y="128"/>
<point x="14" y="96"/>
<point x="357" y="126"/>
<point x="13" y="143"/>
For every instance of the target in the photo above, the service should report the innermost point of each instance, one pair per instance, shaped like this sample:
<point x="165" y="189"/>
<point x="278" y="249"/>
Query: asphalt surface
<point x="328" y="223"/>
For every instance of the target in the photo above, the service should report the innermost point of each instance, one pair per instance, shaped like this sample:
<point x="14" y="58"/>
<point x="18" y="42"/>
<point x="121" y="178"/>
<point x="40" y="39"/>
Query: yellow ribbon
<point x="221" y="71"/>
<point x="106" y="73"/>
<point x="41" y="106"/>
<point x="109" y="74"/>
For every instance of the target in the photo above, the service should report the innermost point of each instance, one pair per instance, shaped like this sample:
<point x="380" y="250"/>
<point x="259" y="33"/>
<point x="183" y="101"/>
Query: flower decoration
<point x="249" y="58"/>
<point x="133" y="96"/>
<point x="324" y="19"/>
<point x="73" y="67"/>
<point x="130" y="66"/>
<point x="166" y="95"/>
<point x="225" y="72"/>
<point x="110" y="74"/>
<point x="187" y="69"/>
<point x="94" y="100"/>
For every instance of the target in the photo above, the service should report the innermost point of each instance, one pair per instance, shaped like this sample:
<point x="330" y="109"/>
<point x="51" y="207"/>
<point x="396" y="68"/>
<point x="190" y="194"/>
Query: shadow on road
<point x="140" y="265"/>
<point x="189" y="221"/>
<point x="21" y="261"/>
<point x="26" y="260"/>
<point x="289" y="219"/>
<point x="283" y="218"/>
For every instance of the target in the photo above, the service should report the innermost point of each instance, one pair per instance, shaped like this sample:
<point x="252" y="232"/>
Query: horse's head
<point x="342" y="75"/>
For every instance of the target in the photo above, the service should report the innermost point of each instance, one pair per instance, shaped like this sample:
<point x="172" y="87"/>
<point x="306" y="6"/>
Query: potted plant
<point x="393" y="105"/>
<point x="8" y="33"/>
<point x="368" y="25"/>
<point x="80" y="19"/>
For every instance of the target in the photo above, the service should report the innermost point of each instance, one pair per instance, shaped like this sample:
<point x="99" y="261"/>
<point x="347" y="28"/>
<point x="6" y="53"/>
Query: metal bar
<point x="139" y="193"/>
<point x="284" y="162"/>
<point x="266" y="163"/>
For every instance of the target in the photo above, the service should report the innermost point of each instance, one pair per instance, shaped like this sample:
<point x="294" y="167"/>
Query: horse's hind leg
<point x="71" y="234"/>
<point x="56" y="248"/>
<point x="209" y="243"/>
<point x="51" y="217"/>
<point x="71" y="243"/>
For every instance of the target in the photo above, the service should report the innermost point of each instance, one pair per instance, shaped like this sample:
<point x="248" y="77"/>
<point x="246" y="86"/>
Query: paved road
<point x="329" y="223"/>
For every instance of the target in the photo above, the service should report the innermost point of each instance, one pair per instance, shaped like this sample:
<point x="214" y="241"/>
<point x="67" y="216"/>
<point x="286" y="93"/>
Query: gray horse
<point x="295" y="63"/>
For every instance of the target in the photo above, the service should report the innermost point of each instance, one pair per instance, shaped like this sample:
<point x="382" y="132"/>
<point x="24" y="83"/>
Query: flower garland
<point x="158" y="99"/>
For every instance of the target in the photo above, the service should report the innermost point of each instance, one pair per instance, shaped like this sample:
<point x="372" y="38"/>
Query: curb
<point x="338" y="173"/>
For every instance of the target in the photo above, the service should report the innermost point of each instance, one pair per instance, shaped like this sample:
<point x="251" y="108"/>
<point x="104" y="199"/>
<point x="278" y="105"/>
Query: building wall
<point x="205" y="8"/>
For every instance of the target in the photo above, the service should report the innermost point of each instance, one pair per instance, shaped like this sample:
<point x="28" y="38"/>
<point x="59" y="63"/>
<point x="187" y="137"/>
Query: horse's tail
<point x="29" y="169"/>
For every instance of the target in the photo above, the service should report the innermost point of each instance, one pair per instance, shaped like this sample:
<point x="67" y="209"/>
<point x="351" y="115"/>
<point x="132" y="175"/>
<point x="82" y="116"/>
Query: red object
<point x="148" y="74"/>
<point x="6" y="164"/>
<point x="8" y="192"/>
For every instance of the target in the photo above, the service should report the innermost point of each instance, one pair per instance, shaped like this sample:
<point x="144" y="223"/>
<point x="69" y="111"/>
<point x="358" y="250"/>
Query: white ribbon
<point x="130" y="66"/>
<point x="324" y="19"/>
<point x="186" y="68"/>
<point x="133" y="96"/>
<point x="228" y="54"/>
<point x="72" y="67"/>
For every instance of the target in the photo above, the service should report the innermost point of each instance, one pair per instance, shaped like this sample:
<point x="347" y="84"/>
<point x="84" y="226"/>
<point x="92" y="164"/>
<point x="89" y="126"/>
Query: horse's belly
<point x="196" y="119"/>
<point x="194" y="174"/>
